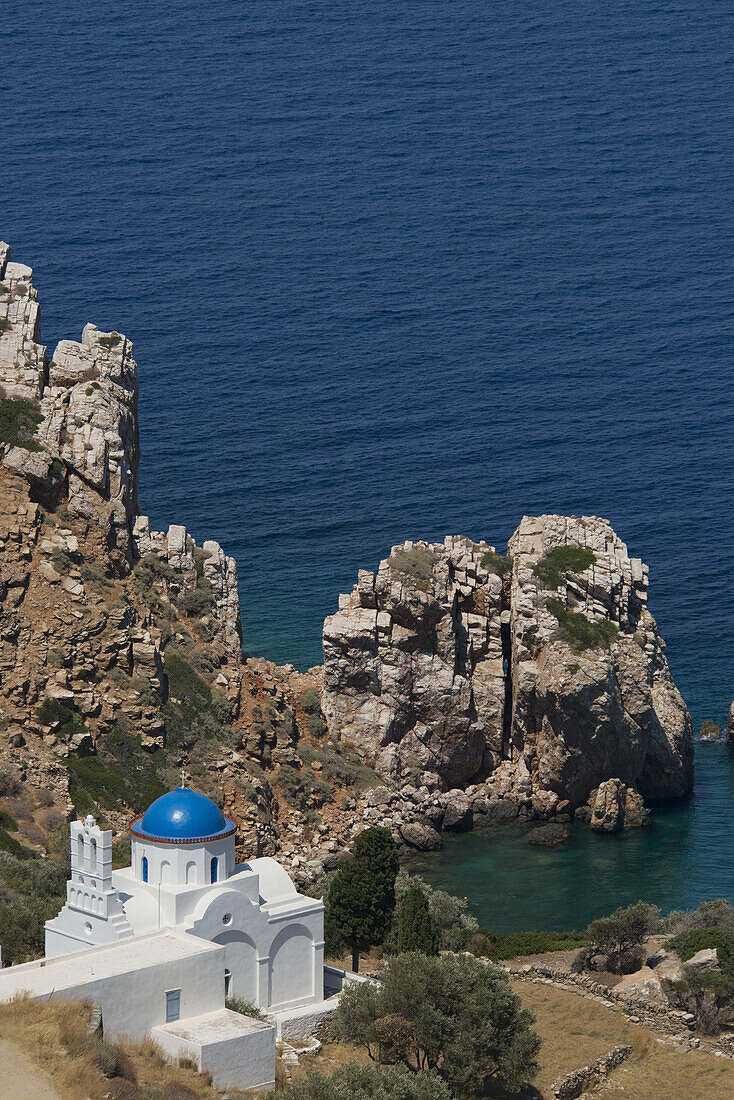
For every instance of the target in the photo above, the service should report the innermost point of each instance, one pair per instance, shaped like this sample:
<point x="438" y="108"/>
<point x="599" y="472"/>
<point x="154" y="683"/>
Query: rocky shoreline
<point x="459" y="686"/>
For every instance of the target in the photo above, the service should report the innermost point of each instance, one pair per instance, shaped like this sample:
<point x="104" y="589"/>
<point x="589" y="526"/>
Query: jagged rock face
<point x="413" y="663"/>
<point x="179" y="550"/>
<point x="22" y="356"/>
<point x="416" y="673"/>
<point x="579" y="718"/>
<point x="88" y="399"/>
<point x="90" y="420"/>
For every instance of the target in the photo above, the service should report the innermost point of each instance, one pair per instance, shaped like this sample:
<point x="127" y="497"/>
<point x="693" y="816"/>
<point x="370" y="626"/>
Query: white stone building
<point x="160" y="944"/>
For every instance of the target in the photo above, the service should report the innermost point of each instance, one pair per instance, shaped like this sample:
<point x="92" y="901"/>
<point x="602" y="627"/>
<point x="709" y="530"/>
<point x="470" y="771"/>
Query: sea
<point x="405" y="270"/>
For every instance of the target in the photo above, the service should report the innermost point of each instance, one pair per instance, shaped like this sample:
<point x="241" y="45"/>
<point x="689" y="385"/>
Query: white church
<point x="160" y="944"/>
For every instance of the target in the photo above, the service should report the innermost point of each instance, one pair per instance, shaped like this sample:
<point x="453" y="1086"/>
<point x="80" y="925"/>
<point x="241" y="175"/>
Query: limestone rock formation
<point x="614" y="806"/>
<point x="87" y="396"/>
<point x="591" y="703"/>
<point x="543" y="675"/>
<point x="413" y="663"/>
<point x="192" y="566"/>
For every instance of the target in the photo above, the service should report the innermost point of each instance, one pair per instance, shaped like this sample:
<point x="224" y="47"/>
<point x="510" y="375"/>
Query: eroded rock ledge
<point x="540" y="676"/>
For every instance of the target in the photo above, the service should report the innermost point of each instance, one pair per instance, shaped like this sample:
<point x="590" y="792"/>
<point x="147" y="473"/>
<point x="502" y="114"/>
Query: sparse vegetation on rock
<point x="19" y="419"/>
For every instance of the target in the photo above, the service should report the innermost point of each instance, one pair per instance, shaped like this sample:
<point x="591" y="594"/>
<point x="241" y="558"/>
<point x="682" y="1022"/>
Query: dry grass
<point x="576" y="1030"/>
<point x="55" y="1037"/>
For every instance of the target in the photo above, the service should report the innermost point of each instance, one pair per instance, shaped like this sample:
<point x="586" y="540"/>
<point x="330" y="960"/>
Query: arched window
<point x="94" y="855"/>
<point x="227" y="982"/>
<point x="215" y="868"/>
<point x="80" y="851"/>
<point x="145" y="868"/>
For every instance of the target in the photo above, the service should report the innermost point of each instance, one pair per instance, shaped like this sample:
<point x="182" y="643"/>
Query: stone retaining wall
<point x="574" y="1084"/>
<point x="675" y="1024"/>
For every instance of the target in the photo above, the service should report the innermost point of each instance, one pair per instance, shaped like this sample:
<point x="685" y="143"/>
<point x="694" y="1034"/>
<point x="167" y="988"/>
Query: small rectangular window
<point x="173" y="1005"/>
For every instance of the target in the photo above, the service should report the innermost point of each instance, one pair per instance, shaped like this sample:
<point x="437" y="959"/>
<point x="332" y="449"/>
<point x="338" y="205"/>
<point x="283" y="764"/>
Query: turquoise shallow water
<point x="402" y="270"/>
<point x="684" y="857"/>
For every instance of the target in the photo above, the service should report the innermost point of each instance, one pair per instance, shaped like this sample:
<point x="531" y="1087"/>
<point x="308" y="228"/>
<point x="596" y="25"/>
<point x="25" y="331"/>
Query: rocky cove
<point x="459" y="686"/>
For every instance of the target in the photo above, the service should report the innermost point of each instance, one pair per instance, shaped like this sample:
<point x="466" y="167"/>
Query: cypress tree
<point x="416" y="929"/>
<point x="361" y="897"/>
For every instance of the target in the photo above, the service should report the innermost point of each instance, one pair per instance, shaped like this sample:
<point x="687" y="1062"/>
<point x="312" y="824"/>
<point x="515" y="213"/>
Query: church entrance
<point x="240" y="959"/>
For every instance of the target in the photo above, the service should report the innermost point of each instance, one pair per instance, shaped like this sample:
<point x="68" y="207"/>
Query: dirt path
<point x="19" y="1079"/>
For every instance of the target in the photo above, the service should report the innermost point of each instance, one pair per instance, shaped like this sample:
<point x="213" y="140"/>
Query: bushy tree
<point x="416" y="929"/>
<point x="454" y="925"/>
<point x="617" y="934"/>
<point x="361" y="899"/>
<point x="450" y="1014"/>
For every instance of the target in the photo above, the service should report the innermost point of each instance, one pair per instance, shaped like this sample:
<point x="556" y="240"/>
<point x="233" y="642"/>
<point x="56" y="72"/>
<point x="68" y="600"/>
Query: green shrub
<point x="243" y="1006"/>
<point x="151" y="567"/>
<point x="52" y="711"/>
<point x="109" y="341"/>
<point x="301" y="785"/>
<point x="22" y="922"/>
<point x="448" y="913"/>
<point x="580" y="632"/>
<point x="497" y="563"/>
<point x="368" y="1082"/>
<point x="19" y="420"/>
<point x="122" y="773"/>
<point x="183" y="681"/>
<point x="194" y="712"/>
<point x="95" y="573"/>
<point x="311" y="701"/>
<point x="687" y="944"/>
<point x="417" y="564"/>
<point x="5" y="325"/>
<point x="9" y="844"/>
<point x="316" y="725"/>
<point x="61" y="560"/>
<point x="199" y="601"/>
<point x="551" y="569"/>
<point x="508" y="945"/>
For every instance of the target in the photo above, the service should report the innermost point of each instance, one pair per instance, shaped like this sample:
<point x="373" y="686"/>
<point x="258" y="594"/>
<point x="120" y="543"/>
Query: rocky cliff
<point x="540" y="674"/>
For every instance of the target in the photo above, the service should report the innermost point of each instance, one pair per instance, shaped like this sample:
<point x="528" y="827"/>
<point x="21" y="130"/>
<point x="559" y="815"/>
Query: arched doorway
<point x="240" y="959"/>
<point x="291" y="966"/>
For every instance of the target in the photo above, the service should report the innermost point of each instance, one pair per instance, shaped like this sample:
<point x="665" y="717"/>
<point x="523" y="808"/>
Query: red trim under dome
<point x="178" y="841"/>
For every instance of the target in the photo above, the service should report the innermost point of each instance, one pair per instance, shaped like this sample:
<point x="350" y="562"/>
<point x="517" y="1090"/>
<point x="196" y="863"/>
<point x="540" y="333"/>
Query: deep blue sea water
<point x="404" y="270"/>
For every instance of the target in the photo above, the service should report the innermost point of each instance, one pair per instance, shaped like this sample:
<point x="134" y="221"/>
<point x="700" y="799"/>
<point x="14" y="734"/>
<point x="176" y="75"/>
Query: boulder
<point x="457" y="812"/>
<point x="548" y="835"/>
<point x="730" y="725"/>
<point x="643" y="985"/>
<point x="635" y="811"/>
<point x="614" y="806"/>
<point x="419" y="836"/>
<point x="607" y="806"/>
<point x="669" y="969"/>
<point x="706" y="959"/>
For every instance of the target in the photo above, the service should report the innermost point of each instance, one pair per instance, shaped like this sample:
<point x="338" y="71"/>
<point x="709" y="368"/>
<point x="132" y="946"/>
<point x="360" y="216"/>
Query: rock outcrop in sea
<point x="540" y="674"/>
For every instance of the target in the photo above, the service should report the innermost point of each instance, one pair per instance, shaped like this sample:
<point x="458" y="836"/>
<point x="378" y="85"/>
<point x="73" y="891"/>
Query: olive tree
<point x="452" y="1015"/>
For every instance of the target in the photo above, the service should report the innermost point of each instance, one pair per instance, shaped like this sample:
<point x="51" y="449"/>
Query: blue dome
<point x="182" y="815"/>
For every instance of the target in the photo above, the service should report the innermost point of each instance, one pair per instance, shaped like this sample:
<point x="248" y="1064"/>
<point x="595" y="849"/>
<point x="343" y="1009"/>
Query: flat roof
<point x="94" y="963"/>
<point x="214" y="1027"/>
